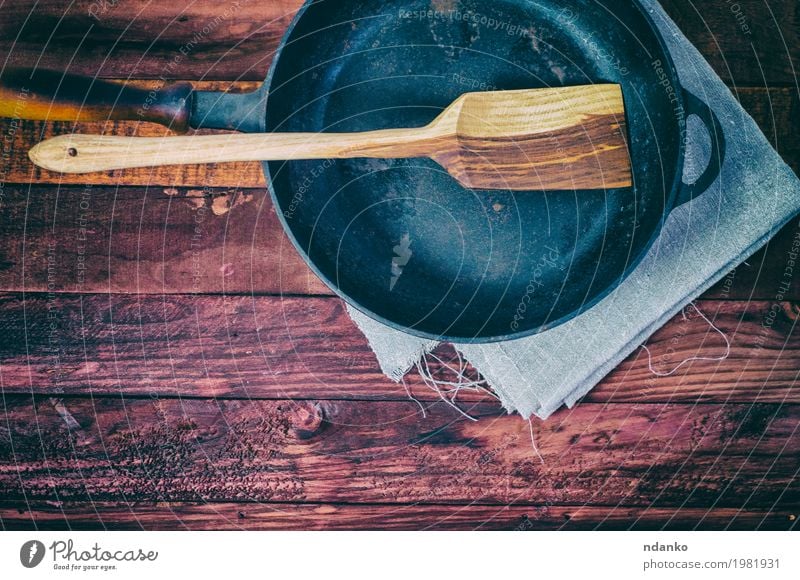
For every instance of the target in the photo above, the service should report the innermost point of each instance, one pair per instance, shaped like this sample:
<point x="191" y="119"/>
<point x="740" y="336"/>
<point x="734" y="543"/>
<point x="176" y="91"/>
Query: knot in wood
<point x="307" y="419"/>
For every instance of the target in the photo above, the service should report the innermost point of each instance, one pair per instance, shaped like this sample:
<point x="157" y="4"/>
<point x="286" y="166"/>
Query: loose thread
<point x="693" y="358"/>
<point x="431" y="383"/>
<point x="449" y="390"/>
<point x="446" y="390"/>
<point x="533" y="442"/>
<point x="413" y="398"/>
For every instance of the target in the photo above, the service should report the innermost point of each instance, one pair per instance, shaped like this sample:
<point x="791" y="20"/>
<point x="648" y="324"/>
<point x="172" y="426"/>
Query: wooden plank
<point x="776" y="110"/>
<point x="284" y="347"/>
<point x="747" y="42"/>
<point x="148" y="240"/>
<point x="268" y="516"/>
<point x="750" y="44"/>
<point x="168" y="240"/>
<point x="769" y="274"/>
<point x="232" y="39"/>
<point x="131" y="450"/>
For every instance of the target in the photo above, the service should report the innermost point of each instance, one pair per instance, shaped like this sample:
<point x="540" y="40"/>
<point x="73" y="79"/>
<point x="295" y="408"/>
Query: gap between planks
<point x="341" y="515"/>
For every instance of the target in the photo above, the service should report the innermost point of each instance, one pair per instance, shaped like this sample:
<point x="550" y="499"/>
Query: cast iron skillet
<point x="399" y="239"/>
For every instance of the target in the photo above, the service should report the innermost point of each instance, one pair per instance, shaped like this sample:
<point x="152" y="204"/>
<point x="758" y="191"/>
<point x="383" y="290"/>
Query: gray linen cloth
<point x="755" y="195"/>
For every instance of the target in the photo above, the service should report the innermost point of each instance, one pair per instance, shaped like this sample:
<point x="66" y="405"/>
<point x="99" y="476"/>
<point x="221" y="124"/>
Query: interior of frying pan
<point x="400" y="238"/>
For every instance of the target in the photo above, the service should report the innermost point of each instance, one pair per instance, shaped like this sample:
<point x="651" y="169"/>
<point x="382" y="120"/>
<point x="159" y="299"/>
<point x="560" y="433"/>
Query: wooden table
<point x="168" y="361"/>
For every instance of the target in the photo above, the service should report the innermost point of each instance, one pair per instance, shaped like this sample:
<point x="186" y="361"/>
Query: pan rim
<point x="669" y="205"/>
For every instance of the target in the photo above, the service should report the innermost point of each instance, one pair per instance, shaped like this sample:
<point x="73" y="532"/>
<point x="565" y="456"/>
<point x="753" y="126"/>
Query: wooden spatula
<point x="538" y="139"/>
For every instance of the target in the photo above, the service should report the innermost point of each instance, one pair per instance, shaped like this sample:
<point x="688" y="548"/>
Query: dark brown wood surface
<point x="327" y="451"/>
<point x="157" y="379"/>
<point x="307" y="347"/>
<point x="140" y="39"/>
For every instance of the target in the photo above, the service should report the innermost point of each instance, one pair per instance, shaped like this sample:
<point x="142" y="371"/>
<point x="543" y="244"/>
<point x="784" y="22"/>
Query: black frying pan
<point x="399" y="239"/>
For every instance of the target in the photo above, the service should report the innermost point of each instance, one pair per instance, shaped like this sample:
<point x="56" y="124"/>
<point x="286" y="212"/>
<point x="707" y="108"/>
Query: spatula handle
<point x="87" y="153"/>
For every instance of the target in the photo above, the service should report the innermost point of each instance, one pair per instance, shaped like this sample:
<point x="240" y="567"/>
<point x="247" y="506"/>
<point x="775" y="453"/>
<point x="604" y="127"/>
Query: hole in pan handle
<point x="695" y="106"/>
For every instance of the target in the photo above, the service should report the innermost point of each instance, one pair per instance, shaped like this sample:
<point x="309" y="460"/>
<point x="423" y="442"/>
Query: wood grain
<point x="569" y="138"/>
<point x="749" y="42"/>
<point x="268" y="516"/>
<point x="384" y="452"/>
<point x="767" y="274"/>
<point x="756" y="45"/>
<point x="171" y="240"/>
<point x="147" y="240"/>
<point x="197" y="39"/>
<point x="273" y="347"/>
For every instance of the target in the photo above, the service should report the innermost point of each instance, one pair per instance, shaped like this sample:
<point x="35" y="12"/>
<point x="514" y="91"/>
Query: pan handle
<point x="695" y="106"/>
<point x="243" y="112"/>
<point x="47" y="95"/>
